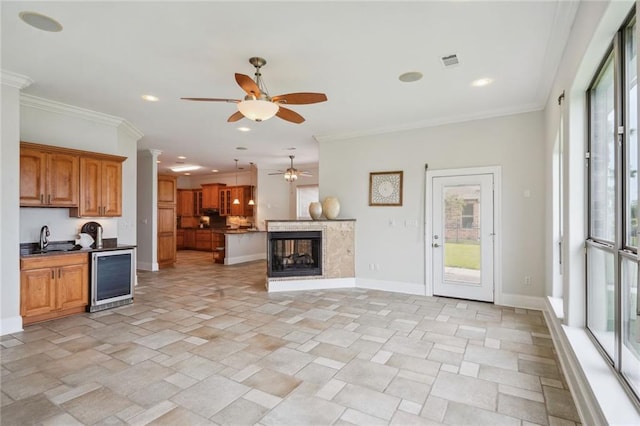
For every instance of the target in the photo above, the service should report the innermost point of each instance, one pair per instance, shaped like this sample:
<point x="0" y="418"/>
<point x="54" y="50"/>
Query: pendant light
<point x="251" y="202"/>
<point x="236" y="200"/>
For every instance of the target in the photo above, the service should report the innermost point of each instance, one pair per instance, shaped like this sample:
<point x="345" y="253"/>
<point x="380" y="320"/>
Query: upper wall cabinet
<point x="210" y="194"/>
<point x="100" y="188"/>
<point x="89" y="183"/>
<point x="48" y="178"/>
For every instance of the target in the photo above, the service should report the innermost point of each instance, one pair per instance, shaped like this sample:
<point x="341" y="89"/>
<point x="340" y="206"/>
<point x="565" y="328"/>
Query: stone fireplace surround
<point x="338" y="255"/>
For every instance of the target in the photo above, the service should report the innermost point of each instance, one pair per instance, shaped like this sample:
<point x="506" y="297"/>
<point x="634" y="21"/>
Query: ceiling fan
<point x="257" y="105"/>
<point x="291" y="174"/>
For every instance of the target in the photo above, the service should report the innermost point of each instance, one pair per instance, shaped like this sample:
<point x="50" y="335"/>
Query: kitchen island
<point x="244" y="246"/>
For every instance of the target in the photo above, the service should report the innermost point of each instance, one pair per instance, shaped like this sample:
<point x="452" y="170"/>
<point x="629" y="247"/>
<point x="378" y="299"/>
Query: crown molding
<point x="131" y="130"/>
<point x="8" y="78"/>
<point x="48" y="105"/>
<point x="429" y="123"/>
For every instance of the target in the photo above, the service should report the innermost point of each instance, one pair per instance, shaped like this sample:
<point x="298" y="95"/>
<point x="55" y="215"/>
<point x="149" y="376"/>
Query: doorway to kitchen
<point x="462" y="243"/>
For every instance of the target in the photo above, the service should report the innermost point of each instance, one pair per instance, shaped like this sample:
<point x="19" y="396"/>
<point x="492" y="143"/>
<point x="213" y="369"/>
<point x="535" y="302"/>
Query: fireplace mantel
<point x="338" y="254"/>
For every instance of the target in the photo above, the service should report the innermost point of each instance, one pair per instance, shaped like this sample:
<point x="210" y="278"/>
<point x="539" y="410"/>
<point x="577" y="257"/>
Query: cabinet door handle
<point x="59" y="273"/>
<point x="53" y="274"/>
<point x="49" y="199"/>
<point x="41" y="198"/>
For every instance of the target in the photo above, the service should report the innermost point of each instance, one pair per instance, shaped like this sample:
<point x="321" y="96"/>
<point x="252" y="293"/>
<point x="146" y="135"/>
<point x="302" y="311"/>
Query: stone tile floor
<point x="205" y="344"/>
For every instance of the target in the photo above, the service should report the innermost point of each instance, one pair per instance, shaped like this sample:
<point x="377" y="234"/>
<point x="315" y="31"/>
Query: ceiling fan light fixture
<point x="290" y="175"/>
<point x="258" y="109"/>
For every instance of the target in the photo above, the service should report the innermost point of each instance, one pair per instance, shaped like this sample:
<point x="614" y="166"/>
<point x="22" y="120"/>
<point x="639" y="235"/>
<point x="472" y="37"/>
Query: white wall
<point x="513" y="142"/>
<point x="10" y="320"/>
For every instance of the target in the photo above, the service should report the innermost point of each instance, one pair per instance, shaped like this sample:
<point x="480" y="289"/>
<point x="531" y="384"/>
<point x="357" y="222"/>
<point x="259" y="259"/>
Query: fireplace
<point x="294" y="253"/>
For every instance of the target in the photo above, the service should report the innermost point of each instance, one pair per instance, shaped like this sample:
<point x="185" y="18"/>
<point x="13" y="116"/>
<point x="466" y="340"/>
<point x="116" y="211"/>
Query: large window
<point x="612" y="243"/>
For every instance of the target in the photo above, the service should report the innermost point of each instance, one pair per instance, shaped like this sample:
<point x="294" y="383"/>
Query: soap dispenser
<point x="99" y="237"/>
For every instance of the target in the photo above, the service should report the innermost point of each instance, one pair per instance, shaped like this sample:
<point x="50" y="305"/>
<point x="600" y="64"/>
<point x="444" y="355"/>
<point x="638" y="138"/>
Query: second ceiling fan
<point x="291" y="174"/>
<point x="257" y="105"/>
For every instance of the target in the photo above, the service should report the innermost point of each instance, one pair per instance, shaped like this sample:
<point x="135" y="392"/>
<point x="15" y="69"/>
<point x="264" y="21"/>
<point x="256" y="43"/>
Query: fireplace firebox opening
<point x="295" y="253"/>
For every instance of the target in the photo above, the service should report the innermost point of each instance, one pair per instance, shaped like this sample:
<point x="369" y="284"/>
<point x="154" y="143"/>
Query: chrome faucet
<point x="44" y="237"/>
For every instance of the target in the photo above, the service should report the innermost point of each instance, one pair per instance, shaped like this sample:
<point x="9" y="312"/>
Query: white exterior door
<point x="462" y="236"/>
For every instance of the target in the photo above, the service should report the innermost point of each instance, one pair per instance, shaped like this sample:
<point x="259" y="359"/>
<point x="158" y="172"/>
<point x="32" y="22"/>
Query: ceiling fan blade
<point x="248" y="85"/>
<point x="300" y="98"/>
<point x="235" y="117"/>
<point x="212" y="100"/>
<point x="288" y="115"/>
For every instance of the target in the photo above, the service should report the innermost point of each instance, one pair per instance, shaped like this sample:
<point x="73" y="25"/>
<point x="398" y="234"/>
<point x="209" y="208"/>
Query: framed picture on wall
<point x="385" y="188"/>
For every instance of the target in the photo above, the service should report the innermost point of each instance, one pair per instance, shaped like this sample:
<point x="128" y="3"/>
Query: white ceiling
<point x="111" y="53"/>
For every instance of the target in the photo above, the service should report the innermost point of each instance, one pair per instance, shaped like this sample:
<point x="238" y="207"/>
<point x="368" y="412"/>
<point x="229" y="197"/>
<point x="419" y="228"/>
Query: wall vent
<point x="450" y="60"/>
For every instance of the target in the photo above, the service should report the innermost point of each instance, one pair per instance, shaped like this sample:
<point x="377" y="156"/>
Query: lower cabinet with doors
<point x="53" y="286"/>
<point x="217" y="242"/>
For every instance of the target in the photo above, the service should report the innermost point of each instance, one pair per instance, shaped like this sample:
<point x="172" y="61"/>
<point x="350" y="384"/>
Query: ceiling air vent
<point x="450" y="60"/>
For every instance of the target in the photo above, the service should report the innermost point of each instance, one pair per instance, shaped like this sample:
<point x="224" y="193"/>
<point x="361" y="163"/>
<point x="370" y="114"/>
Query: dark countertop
<point x="311" y="220"/>
<point x="69" y="247"/>
<point x="226" y="230"/>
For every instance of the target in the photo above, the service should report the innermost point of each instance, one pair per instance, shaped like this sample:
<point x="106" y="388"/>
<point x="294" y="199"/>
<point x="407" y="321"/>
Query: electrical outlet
<point x="527" y="280"/>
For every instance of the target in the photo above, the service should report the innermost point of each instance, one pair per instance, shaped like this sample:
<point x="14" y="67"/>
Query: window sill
<point x="598" y="393"/>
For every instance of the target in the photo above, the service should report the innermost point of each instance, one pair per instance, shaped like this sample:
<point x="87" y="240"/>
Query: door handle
<point x="435" y="245"/>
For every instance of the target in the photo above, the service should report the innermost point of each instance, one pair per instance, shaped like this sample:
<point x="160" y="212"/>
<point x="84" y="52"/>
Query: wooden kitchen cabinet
<point x="243" y="194"/>
<point x="100" y="188"/>
<point x="197" y="202"/>
<point x="48" y="178"/>
<point x="189" y="238"/>
<point x="167" y="196"/>
<point x="180" y="239"/>
<point x="53" y="286"/>
<point x="210" y="195"/>
<point x="167" y="189"/>
<point x="186" y="204"/>
<point x="217" y="243"/>
<point x="203" y="239"/>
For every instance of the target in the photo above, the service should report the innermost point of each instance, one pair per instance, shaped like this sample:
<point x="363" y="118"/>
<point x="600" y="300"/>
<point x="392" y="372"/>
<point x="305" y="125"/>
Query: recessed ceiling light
<point x="182" y="157"/>
<point x="185" y="168"/>
<point x="158" y="161"/>
<point x="241" y="148"/>
<point x="244" y="129"/>
<point x="215" y="170"/>
<point x="481" y="82"/>
<point x="40" y="21"/>
<point x="409" y="77"/>
<point x="150" y="98"/>
<point x="187" y="174"/>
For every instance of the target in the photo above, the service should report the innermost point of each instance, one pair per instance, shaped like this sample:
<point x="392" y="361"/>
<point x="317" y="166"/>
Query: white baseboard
<point x="10" y="325"/>
<point x="520" y="301"/>
<point x="311" y="284"/>
<point x="246" y="258"/>
<point x="148" y="266"/>
<point x="586" y="402"/>
<point x="392" y="286"/>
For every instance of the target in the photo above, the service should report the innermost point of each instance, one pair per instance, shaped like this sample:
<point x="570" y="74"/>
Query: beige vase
<point x="315" y="210"/>
<point x="331" y="207"/>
